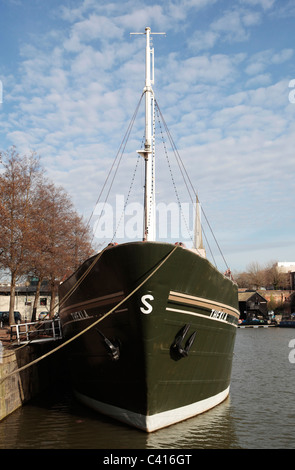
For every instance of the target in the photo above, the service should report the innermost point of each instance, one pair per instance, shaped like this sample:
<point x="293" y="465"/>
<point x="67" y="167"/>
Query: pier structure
<point x="22" y="374"/>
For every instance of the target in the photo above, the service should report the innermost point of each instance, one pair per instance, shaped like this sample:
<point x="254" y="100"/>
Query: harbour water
<point x="259" y="413"/>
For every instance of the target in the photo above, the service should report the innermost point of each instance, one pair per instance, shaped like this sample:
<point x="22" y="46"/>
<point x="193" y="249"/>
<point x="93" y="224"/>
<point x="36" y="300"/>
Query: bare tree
<point x="268" y="276"/>
<point x="41" y="233"/>
<point x="276" y="278"/>
<point x="242" y="279"/>
<point x="18" y="181"/>
<point x="256" y="275"/>
<point x="40" y="254"/>
<point x="62" y="239"/>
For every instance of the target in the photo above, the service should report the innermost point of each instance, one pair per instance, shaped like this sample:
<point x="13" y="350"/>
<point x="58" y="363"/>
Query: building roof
<point x="244" y="296"/>
<point x="5" y="289"/>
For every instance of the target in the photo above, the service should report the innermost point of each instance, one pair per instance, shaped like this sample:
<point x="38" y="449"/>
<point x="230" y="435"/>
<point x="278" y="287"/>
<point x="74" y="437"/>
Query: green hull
<point x="164" y="353"/>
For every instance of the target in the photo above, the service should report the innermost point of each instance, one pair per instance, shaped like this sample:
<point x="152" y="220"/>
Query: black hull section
<point x="165" y="353"/>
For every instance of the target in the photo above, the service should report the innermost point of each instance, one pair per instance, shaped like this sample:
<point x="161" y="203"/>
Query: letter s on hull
<point x="147" y="307"/>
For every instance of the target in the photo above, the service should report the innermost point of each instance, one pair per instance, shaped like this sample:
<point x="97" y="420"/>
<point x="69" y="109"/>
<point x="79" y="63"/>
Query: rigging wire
<point x="127" y="198"/>
<point x="171" y="174"/>
<point x="187" y="181"/>
<point x="183" y="170"/>
<point x="117" y="159"/>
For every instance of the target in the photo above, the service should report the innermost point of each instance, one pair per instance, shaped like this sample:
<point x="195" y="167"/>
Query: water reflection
<point x="214" y="429"/>
<point x="260" y="412"/>
<point x="60" y="422"/>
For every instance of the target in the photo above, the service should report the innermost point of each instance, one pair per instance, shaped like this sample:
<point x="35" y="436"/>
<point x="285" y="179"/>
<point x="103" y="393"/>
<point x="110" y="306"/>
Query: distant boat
<point x="156" y="321"/>
<point x="287" y="324"/>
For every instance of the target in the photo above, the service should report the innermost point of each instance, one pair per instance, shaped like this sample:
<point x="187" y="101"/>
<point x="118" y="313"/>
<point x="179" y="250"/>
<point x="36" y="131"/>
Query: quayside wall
<point x="22" y="386"/>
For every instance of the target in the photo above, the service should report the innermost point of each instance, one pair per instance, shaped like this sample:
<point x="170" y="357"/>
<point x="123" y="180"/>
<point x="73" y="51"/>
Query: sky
<point x="71" y="77"/>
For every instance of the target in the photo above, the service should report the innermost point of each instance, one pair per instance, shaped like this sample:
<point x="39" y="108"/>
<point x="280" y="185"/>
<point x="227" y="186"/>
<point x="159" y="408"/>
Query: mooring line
<point x="93" y="324"/>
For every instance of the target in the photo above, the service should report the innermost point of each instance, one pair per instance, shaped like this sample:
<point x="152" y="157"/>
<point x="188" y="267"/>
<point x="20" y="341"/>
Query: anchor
<point x="113" y="346"/>
<point x="177" y="351"/>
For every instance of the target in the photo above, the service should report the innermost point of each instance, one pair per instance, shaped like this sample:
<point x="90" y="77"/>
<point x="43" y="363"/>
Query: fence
<point x="41" y="331"/>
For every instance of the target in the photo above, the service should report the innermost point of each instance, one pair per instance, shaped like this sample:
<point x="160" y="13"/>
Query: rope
<point x="120" y="150"/>
<point x="68" y="294"/>
<point x="94" y="323"/>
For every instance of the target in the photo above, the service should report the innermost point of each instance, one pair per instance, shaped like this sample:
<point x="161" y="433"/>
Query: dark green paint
<point x="146" y="379"/>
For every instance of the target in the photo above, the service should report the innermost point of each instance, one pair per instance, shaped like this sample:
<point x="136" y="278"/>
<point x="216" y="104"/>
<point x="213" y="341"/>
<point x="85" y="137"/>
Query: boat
<point x="151" y="325"/>
<point x="287" y="324"/>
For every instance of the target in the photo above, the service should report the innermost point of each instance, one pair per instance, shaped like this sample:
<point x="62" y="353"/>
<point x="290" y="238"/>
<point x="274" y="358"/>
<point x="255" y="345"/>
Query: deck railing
<point x="40" y="331"/>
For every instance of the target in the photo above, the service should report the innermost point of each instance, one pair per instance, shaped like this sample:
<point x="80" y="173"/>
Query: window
<point x="43" y="301"/>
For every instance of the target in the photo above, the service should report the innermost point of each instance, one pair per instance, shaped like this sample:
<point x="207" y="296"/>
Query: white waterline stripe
<point x="156" y="421"/>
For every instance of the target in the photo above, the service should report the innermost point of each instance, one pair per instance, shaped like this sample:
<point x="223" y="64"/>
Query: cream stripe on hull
<point x="202" y="302"/>
<point x="96" y="302"/>
<point x="177" y="297"/>
<point x="217" y="311"/>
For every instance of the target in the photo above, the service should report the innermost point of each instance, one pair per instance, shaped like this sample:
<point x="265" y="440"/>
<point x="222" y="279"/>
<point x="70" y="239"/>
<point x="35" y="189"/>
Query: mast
<point x="198" y="239"/>
<point x="149" y="229"/>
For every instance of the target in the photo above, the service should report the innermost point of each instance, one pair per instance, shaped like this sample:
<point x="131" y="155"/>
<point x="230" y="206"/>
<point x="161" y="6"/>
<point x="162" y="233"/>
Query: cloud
<point x="92" y="29"/>
<point x="267" y="58"/>
<point x="224" y="97"/>
<point x="233" y="26"/>
<point x="265" y="4"/>
<point x="258" y="80"/>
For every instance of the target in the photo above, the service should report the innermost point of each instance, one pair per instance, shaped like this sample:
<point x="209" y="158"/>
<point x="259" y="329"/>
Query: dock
<point x="23" y="372"/>
<point x="41" y="332"/>
<point x="257" y="326"/>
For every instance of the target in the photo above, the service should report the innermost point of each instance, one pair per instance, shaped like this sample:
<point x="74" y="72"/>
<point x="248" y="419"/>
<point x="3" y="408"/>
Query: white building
<point x="286" y="266"/>
<point x="24" y="300"/>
